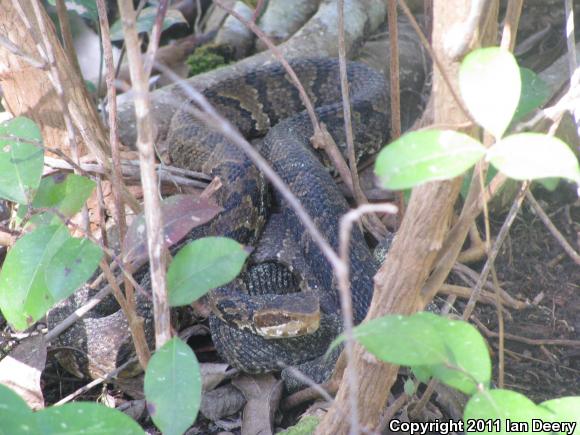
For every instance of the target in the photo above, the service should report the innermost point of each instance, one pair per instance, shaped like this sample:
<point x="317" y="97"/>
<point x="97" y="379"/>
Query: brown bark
<point x="29" y="92"/>
<point x="399" y="282"/>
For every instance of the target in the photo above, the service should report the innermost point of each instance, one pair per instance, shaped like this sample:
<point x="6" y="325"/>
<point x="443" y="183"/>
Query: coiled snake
<point x="264" y="101"/>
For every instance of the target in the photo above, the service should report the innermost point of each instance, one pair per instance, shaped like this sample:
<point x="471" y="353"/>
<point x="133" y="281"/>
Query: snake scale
<point x="262" y="102"/>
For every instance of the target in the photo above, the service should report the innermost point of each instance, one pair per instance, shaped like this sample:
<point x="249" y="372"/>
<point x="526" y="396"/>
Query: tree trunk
<point x="28" y="90"/>
<point x="399" y="281"/>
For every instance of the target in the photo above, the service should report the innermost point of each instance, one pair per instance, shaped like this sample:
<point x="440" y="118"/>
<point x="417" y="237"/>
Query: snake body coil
<point x="259" y="102"/>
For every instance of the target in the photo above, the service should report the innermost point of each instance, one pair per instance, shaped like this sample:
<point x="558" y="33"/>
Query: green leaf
<point x="306" y="426"/>
<point x="85" y="418"/>
<point x="85" y="8"/>
<point x="490" y="83"/>
<point x="24" y="295"/>
<point x="202" y="265"/>
<point x="535" y="92"/>
<point x="403" y="340"/>
<point x="72" y="418"/>
<point x="409" y="387"/>
<point x="73" y="264"/>
<point x="15" y="415"/>
<point x="145" y="22"/>
<point x="66" y="193"/>
<point x="422" y="156"/>
<point x="529" y="156"/>
<point x="172" y="387"/>
<point x="504" y="404"/>
<point x="467" y="364"/>
<point x="566" y="410"/>
<point x="21" y="159"/>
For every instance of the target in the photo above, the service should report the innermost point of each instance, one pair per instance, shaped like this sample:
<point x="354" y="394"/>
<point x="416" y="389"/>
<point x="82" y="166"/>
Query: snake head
<point x="291" y="315"/>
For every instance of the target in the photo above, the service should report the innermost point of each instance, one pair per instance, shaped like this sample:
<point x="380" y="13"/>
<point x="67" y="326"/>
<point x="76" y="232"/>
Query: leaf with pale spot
<point x="24" y="295"/>
<point x="21" y="159"/>
<point x="73" y="264"/>
<point x="172" y="387"/>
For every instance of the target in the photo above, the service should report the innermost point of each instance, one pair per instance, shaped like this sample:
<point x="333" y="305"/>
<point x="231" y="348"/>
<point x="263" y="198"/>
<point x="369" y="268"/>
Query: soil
<point x="532" y="266"/>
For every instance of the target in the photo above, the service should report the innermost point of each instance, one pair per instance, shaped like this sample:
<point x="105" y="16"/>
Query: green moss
<point x="208" y="57"/>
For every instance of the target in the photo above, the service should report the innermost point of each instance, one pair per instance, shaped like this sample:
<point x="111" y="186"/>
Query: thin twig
<point x="511" y="22"/>
<point x="14" y="49"/>
<point x="145" y="138"/>
<point x="552" y="228"/>
<point x="503" y="232"/>
<point x="395" y="85"/>
<point x="130" y="170"/>
<point x="570" y="40"/>
<point x="67" y="38"/>
<point x="526" y="340"/>
<point x="78" y="314"/>
<point x="127" y="300"/>
<point x="155" y="37"/>
<point x="112" y="374"/>
<point x="374" y="224"/>
<point x="342" y="274"/>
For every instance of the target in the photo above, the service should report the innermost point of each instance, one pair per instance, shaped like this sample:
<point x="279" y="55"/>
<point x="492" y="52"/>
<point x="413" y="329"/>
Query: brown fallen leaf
<point x="181" y="213"/>
<point x="263" y="393"/>
<point x="221" y="402"/>
<point x="20" y="370"/>
<point x="213" y="374"/>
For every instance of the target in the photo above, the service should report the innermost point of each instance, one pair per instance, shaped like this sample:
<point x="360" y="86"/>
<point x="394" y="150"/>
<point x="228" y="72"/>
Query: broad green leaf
<point x="529" y="156"/>
<point x="72" y="418"/>
<point x="66" y="193"/>
<point x="202" y="265"/>
<point x="467" y="362"/>
<point x="423" y="156"/>
<point x="566" y="410"/>
<point x="306" y="426"/>
<point x="85" y="418"/>
<point x="85" y="8"/>
<point x="145" y="22"/>
<point x="24" y="295"/>
<point x="21" y="159"/>
<point x="403" y="340"/>
<point x="504" y="404"/>
<point x="490" y="83"/>
<point x="535" y="92"/>
<point x="73" y="264"/>
<point x="172" y="387"/>
<point x="15" y="415"/>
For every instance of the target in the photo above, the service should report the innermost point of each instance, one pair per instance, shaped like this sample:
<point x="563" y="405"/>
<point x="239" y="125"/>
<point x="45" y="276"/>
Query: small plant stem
<point x="346" y="223"/>
<point x="503" y="232"/>
<point x="511" y="22"/>
<point x="552" y="228"/>
<point x="374" y="224"/>
<point x="145" y="138"/>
